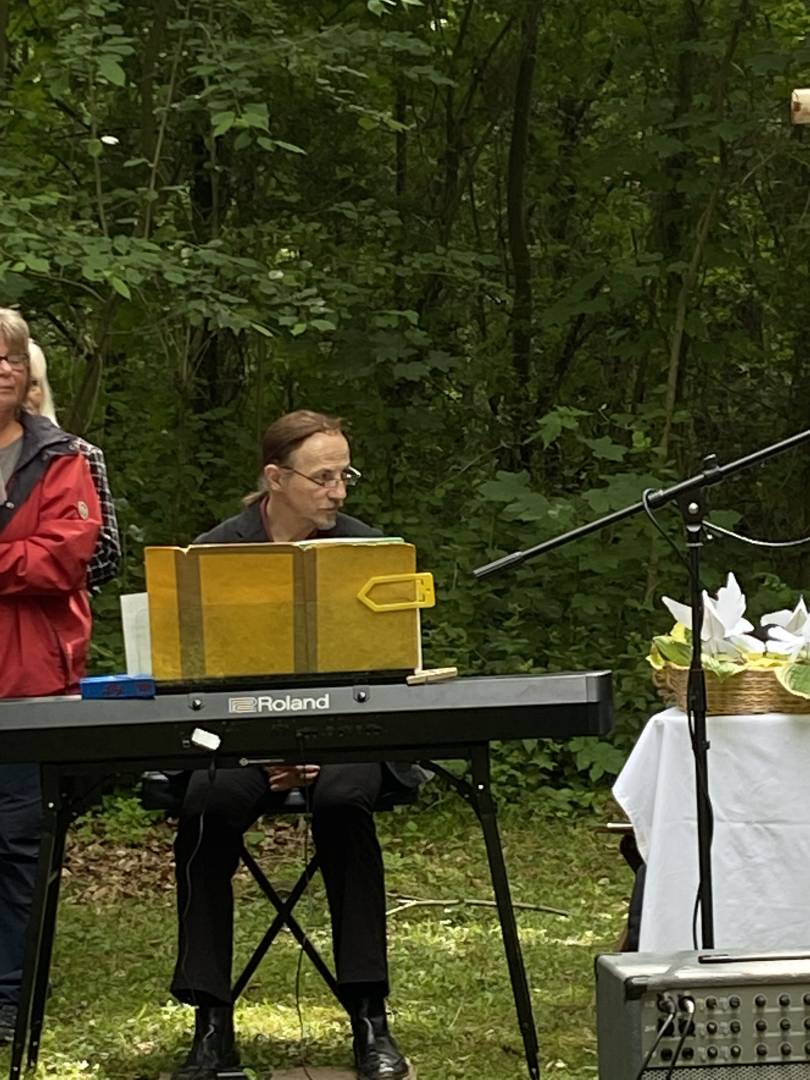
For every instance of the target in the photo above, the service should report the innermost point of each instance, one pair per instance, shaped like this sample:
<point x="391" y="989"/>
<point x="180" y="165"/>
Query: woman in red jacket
<point x="49" y="523"/>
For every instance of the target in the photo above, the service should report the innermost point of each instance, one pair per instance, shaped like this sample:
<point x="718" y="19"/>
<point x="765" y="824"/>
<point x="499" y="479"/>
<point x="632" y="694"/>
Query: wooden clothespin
<point x="438" y="674"/>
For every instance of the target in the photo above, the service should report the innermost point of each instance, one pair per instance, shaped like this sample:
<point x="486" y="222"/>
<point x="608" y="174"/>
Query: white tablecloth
<point x="759" y="783"/>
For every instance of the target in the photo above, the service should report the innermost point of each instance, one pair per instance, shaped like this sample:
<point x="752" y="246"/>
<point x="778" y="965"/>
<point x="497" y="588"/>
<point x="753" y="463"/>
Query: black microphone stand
<point x="693" y="511"/>
<point x="689" y="494"/>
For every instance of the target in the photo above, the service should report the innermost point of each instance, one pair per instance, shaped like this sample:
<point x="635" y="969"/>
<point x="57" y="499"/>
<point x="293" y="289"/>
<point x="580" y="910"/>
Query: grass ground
<point x="110" y="1016"/>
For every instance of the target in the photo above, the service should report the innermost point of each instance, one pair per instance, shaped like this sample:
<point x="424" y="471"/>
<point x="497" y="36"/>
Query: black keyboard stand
<point x="479" y="795"/>
<point x="56" y="817"/>
<point x="60" y="803"/>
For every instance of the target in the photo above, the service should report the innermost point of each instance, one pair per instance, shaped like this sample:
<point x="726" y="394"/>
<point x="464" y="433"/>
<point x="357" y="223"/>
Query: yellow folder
<point x="226" y="610"/>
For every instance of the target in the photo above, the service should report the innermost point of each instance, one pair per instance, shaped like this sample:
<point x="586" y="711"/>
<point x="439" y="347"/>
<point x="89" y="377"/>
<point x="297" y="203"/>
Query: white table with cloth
<point x="759" y="784"/>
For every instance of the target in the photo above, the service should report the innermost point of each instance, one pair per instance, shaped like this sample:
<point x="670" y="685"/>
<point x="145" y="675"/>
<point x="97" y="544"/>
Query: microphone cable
<point x="700" y="782"/>
<point x="212" y="772"/>
<point x="775" y="544"/>
<point x="650" y="512"/>
<point x="307" y="793"/>
<point x="665" y="1001"/>
<point x="695" y="910"/>
<point x="687" y="1005"/>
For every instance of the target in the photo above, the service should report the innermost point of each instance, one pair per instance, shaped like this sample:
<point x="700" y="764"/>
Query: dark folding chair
<point x="165" y="791"/>
<point x="628" y="940"/>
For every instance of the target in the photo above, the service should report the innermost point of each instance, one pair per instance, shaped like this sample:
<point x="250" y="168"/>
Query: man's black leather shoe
<point x="376" y="1055"/>
<point x="8" y="1021"/>
<point x="214" y="1046"/>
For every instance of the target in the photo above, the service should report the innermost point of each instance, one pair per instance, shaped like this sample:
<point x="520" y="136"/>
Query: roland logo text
<point x="279" y="703"/>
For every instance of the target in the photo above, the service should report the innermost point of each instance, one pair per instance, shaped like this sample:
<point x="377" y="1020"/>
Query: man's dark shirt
<point x="249" y="528"/>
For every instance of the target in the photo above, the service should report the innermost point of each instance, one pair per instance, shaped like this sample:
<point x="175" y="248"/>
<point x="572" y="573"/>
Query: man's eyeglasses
<point x="348" y="477"/>
<point x="16" y="362"/>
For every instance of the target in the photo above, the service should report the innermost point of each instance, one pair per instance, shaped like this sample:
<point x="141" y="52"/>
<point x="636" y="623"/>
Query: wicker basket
<point x="737" y="695"/>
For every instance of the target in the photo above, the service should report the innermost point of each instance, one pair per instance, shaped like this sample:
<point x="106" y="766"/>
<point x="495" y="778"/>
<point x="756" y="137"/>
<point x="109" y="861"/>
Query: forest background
<point x="543" y="255"/>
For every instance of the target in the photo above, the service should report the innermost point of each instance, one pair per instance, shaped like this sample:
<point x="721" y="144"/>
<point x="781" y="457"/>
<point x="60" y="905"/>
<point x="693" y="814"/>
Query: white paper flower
<point x="793" y="621"/>
<point x="724" y="630"/>
<point x="789" y="631"/>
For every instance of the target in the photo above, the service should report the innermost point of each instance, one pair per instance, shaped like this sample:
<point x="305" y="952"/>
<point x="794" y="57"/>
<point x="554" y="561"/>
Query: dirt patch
<point x="98" y="870"/>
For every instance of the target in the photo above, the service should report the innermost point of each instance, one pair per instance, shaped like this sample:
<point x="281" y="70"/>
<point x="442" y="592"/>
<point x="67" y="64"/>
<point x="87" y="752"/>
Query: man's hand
<point x="286" y="777"/>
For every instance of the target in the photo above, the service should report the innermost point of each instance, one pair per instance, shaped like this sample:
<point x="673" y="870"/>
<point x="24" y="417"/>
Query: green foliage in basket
<point x="675" y="650"/>
<point x="795" y="677"/>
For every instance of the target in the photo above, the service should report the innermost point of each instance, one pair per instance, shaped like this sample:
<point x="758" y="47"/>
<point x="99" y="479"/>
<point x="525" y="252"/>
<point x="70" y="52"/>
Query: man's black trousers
<point x="217" y="810"/>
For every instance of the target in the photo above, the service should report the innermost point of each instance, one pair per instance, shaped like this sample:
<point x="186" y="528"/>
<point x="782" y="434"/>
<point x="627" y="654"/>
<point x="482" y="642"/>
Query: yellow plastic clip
<point x="423" y="583"/>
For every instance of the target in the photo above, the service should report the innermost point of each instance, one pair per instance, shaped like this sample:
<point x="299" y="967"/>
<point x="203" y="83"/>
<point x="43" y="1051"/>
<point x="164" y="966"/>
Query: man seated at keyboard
<point x="307" y="471"/>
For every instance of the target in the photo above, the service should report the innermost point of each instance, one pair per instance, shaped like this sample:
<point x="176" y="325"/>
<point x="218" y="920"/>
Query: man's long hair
<point x="285" y="435"/>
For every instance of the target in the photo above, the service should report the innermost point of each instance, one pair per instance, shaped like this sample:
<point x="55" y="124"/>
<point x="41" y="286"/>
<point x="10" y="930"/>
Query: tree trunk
<point x="520" y="321"/>
<point x="4" y="14"/>
<point x="155" y="40"/>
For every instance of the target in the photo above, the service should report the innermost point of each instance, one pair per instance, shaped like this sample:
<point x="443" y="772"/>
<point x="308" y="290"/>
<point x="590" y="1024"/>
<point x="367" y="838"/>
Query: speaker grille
<point x="788" y="1070"/>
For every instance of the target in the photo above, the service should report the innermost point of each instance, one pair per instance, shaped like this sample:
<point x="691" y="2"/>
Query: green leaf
<point x="222" y="122"/>
<point x="506" y="486"/>
<point x="298" y="329"/>
<point x="523" y="503"/>
<point x="36" y="263"/>
<point x="605" y="448"/>
<point x="426" y="71"/>
<point x="111" y="70"/>
<point x="261" y="329"/>
<point x="674" y="652"/>
<point x="255" y="115"/>
<point x="323" y="324"/>
<point x="620" y="490"/>
<point x="552" y="424"/>
<point x="120" y="287"/>
<point x="293" y="149"/>
<point x="795" y="678"/>
<point x="721" y="666"/>
<point x="279" y="144"/>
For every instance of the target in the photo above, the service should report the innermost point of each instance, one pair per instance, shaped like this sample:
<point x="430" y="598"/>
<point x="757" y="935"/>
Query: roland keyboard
<point x="317" y="723"/>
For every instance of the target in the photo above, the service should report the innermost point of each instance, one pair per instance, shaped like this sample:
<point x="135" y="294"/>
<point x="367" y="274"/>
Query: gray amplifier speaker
<point x="708" y="1015"/>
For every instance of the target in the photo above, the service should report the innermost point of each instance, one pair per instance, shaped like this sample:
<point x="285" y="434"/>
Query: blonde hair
<point x="38" y="369"/>
<point x="14" y="330"/>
